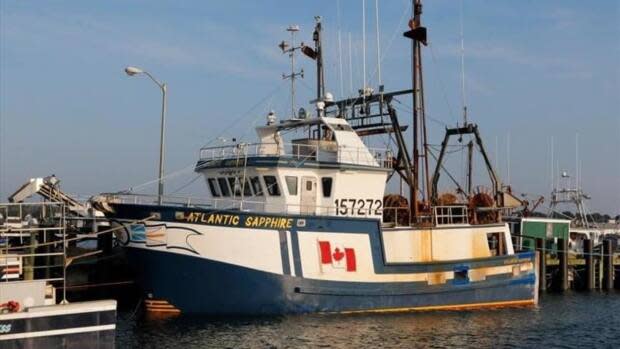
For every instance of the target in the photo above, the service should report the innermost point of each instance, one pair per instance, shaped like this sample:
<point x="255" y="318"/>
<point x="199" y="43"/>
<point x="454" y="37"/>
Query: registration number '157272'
<point x="360" y="207"/>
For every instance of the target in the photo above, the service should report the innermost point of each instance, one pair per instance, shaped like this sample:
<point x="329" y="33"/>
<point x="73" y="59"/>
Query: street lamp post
<point x="131" y="71"/>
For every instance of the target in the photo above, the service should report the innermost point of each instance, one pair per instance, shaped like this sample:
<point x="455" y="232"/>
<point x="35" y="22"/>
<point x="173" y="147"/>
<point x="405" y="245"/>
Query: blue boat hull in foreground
<point x="197" y="285"/>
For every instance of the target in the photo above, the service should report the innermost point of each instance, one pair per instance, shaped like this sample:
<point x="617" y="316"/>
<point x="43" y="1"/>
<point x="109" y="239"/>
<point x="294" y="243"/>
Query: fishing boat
<point x="34" y="311"/>
<point x="302" y="225"/>
<point x="583" y="226"/>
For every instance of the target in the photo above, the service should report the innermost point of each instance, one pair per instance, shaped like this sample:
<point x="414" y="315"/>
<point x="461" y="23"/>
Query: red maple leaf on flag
<point x="336" y="256"/>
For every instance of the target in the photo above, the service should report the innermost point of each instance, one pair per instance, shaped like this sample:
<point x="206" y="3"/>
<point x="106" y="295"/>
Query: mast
<point x="317" y="55"/>
<point x="418" y="36"/>
<point x="320" y="74"/>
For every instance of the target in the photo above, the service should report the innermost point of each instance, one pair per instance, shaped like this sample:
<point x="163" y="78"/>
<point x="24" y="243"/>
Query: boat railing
<point x="298" y="151"/>
<point x="237" y="204"/>
<point x="151" y="199"/>
<point x="18" y="215"/>
<point x="450" y="215"/>
<point x="30" y="233"/>
<point x="439" y="216"/>
<point x="396" y="216"/>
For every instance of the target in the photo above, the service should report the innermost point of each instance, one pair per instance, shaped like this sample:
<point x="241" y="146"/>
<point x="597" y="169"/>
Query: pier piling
<point x="542" y="271"/>
<point x="608" y="265"/>
<point x="563" y="265"/>
<point x="589" y="259"/>
<point x="617" y="276"/>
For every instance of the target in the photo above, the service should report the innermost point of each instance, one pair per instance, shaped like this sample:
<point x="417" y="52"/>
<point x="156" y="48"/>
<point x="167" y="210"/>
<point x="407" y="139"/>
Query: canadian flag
<point x="339" y="257"/>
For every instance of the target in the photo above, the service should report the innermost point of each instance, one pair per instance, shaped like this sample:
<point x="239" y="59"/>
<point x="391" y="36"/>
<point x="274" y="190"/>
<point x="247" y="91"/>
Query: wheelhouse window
<point x="272" y="185"/>
<point x="496" y="244"/>
<point x="215" y="190"/>
<point x="256" y="186"/>
<point x="247" y="190"/>
<point x="326" y="185"/>
<point x="291" y="184"/>
<point x="235" y="185"/>
<point x="224" y="186"/>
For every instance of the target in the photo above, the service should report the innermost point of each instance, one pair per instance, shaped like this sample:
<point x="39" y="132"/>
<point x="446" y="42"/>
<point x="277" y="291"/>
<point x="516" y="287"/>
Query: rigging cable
<point x="408" y="109"/>
<point x="242" y="116"/>
<point x="191" y="166"/>
<point x="186" y="184"/>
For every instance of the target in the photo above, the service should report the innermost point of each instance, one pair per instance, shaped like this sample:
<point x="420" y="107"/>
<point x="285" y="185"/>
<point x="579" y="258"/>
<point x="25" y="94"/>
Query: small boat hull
<point x="76" y="325"/>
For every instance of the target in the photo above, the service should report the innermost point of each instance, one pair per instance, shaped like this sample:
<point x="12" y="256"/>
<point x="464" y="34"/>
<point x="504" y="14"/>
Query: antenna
<point x="350" y="65"/>
<point x="497" y="155"/>
<point x="290" y="49"/>
<point x="552" y="165"/>
<point x="364" y="44"/>
<point x="577" y="174"/>
<point x="340" y="51"/>
<point x="463" y="69"/>
<point x="508" y="158"/>
<point x="378" y="42"/>
<point x="557" y="170"/>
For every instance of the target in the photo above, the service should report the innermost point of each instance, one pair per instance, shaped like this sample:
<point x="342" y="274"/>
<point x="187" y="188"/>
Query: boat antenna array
<point x="290" y="48"/>
<point x="372" y="113"/>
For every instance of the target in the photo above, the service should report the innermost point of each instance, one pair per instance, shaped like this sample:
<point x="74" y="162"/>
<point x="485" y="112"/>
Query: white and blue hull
<point x="230" y="268"/>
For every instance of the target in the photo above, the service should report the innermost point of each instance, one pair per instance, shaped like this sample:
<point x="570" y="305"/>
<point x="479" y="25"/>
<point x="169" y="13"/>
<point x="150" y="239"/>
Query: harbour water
<point x="568" y="320"/>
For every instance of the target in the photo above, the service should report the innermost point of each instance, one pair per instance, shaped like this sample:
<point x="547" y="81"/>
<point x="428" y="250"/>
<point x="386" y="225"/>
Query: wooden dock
<point x="588" y="270"/>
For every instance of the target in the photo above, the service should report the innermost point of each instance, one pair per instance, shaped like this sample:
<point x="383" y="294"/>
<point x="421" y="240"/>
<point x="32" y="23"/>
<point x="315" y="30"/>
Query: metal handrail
<point x="450" y="215"/>
<point x="343" y="154"/>
<point x="22" y="256"/>
<point x="237" y="204"/>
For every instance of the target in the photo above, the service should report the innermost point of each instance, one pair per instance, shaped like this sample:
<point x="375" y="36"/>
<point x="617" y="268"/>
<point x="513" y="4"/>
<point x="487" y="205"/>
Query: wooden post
<point x="563" y="259"/>
<point x="587" y="255"/>
<point x="542" y="267"/>
<point x="616" y="275"/>
<point x="608" y="265"/>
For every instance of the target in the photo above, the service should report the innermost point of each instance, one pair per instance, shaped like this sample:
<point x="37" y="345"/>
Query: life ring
<point x="11" y="306"/>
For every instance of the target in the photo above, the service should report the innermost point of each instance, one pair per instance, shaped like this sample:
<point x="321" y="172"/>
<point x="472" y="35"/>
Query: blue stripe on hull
<point x="196" y="285"/>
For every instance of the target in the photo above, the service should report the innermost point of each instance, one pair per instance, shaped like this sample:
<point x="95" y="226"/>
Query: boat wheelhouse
<point x="309" y="175"/>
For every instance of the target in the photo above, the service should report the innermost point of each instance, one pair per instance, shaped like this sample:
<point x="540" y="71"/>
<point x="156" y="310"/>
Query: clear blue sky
<point x="535" y="69"/>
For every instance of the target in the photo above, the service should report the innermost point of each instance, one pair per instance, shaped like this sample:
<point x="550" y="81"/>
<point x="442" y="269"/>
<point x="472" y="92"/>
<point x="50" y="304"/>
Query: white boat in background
<point x="582" y="225"/>
<point x="33" y="261"/>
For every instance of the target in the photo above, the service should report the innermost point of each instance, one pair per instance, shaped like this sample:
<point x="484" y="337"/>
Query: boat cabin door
<point x="308" y="195"/>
